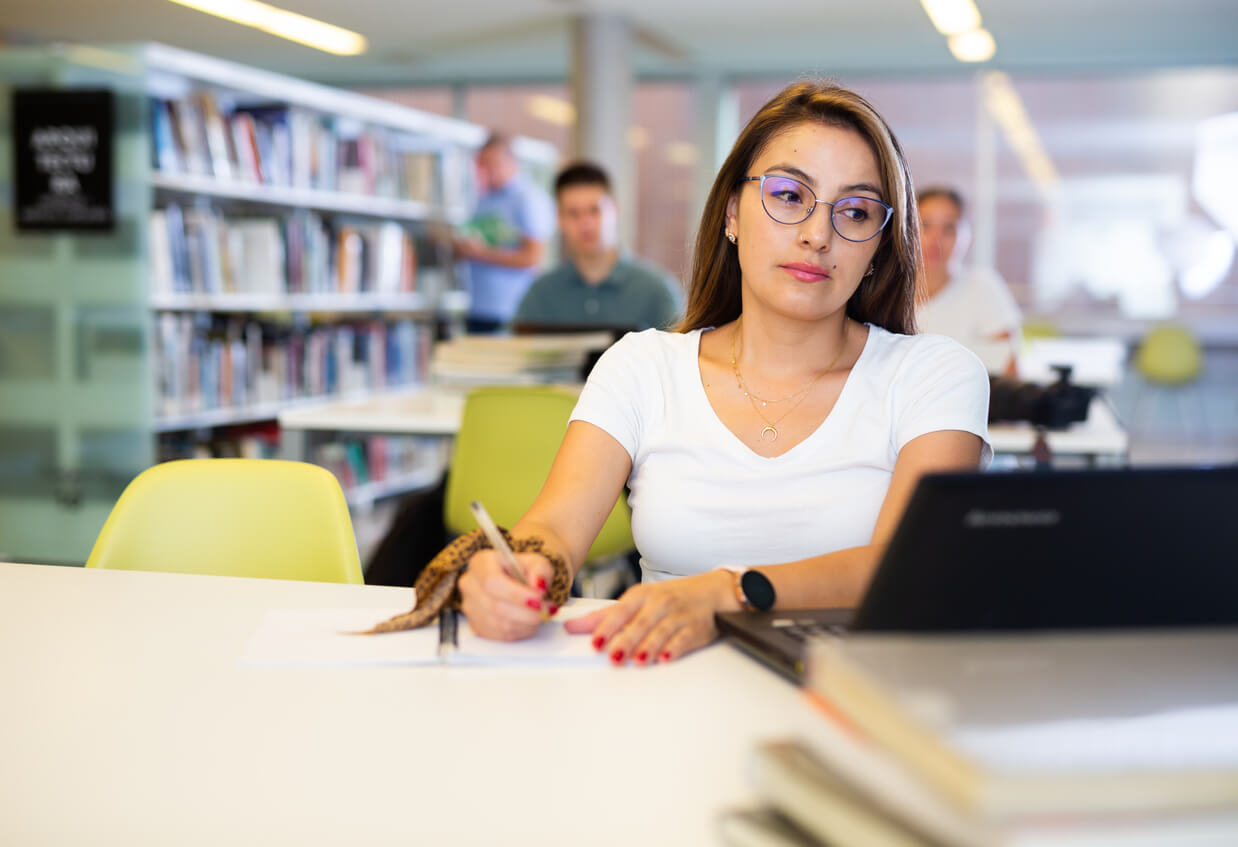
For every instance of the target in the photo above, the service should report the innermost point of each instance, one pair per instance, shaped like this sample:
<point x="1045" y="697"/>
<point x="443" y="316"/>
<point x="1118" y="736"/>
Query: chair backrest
<point x="232" y="517"/>
<point x="506" y="444"/>
<point x="1169" y="354"/>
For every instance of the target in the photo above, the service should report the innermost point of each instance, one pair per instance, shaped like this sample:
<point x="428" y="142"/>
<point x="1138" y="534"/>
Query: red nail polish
<point x="665" y="656"/>
<point x="616" y="656"/>
<point x="533" y="603"/>
<point x="540" y="582"/>
<point x="642" y="656"/>
<point x="554" y="609"/>
<point x="598" y="641"/>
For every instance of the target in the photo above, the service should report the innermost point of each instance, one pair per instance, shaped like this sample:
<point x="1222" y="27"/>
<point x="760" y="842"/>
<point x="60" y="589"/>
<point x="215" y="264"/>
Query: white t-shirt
<point x="701" y="498"/>
<point x="971" y="309"/>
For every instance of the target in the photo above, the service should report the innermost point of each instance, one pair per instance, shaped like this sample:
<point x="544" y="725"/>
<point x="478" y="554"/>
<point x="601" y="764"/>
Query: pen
<point x="497" y="541"/>
<point x="447" y="623"/>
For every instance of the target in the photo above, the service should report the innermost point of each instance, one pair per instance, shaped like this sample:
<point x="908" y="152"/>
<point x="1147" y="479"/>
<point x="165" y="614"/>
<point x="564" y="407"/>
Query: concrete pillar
<point x="717" y="126"/>
<point x="602" y="84"/>
<point x="984" y="204"/>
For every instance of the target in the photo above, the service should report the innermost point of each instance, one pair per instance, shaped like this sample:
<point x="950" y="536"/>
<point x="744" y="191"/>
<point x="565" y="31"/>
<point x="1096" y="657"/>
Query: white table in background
<point x="125" y="719"/>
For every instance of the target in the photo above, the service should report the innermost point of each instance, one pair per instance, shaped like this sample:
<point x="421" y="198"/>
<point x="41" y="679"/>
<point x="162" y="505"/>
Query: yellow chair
<point x="1169" y="355"/>
<point x="232" y="517"/>
<point x="507" y="441"/>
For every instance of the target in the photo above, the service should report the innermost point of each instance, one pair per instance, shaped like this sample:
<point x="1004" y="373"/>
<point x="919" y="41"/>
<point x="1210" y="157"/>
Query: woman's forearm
<point x="833" y="580"/>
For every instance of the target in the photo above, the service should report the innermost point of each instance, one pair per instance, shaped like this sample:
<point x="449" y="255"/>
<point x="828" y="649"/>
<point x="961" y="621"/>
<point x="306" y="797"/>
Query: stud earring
<point x="871" y="268"/>
<point x="730" y="236"/>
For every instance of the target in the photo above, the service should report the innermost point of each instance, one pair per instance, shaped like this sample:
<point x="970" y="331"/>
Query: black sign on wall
<point x="62" y="143"/>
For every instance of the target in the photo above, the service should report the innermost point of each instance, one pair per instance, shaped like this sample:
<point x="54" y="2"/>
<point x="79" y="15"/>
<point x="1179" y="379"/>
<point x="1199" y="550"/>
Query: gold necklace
<point x="770" y="431"/>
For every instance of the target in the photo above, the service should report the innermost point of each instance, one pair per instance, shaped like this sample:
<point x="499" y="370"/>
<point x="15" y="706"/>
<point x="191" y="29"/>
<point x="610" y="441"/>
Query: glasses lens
<point x="786" y="200"/>
<point x="859" y="218"/>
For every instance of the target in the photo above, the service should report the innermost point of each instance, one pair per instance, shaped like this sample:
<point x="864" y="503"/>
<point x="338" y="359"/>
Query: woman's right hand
<point x="497" y="605"/>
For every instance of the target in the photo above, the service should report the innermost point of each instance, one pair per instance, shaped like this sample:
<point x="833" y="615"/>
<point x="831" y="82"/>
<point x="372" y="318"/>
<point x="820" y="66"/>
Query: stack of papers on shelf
<point x="1017" y="741"/>
<point x="491" y="359"/>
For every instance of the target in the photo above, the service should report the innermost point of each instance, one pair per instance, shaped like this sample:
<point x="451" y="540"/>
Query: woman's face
<point x="939" y="231"/>
<point x="805" y="270"/>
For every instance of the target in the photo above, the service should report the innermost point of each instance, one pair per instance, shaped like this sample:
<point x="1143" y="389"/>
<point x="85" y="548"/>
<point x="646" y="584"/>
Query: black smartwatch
<point x="753" y="590"/>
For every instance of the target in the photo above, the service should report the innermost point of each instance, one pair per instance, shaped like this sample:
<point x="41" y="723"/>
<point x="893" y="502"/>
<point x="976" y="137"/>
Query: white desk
<point x="1101" y="436"/>
<point x="124" y="719"/>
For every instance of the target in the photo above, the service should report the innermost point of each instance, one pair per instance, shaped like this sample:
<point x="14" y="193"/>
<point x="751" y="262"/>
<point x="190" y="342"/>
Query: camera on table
<point x="1054" y="406"/>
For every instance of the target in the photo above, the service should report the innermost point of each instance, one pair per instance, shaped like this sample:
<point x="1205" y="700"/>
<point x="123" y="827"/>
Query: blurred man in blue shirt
<point x="505" y="240"/>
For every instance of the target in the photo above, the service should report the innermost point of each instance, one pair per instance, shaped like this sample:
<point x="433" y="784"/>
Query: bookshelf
<point x="275" y="248"/>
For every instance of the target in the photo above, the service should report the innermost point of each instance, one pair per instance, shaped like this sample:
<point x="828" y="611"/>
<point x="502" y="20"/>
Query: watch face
<point x="758" y="590"/>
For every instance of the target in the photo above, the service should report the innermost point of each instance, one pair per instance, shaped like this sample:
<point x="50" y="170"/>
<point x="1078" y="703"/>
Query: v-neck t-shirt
<point x="701" y="498"/>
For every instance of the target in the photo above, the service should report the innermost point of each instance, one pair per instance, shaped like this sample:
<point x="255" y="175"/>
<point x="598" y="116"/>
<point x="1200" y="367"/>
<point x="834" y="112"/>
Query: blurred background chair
<point x="506" y="444"/>
<point x="1169" y="360"/>
<point x="232" y="517"/>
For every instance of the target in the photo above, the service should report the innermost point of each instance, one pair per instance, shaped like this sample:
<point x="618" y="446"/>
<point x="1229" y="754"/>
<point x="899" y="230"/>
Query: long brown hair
<point x="887" y="297"/>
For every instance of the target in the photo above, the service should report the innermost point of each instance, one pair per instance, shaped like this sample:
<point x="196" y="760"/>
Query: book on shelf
<point x="206" y="362"/>
<point x="1025" y="727"/>
<point x="198" y="250"/>
<point x="292" y="147"/>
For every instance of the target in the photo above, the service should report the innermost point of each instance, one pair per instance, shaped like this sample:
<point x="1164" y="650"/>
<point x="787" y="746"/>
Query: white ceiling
<point x="422" y="41"/>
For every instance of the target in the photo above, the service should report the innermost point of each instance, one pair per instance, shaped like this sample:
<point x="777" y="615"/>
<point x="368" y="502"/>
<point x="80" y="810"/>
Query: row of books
<point x="1030" y="740"/>
<point x="377" y="458"/>
<point x="197" y="250"/>
<point x="205" y="362"/>
<point x="287" y="146"/>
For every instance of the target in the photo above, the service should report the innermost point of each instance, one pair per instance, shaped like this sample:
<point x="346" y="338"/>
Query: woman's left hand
<point x="659" y="621"/>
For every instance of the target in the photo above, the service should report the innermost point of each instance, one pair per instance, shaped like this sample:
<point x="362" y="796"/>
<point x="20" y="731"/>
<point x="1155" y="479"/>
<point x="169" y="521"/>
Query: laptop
<point x="1062" y="550"/>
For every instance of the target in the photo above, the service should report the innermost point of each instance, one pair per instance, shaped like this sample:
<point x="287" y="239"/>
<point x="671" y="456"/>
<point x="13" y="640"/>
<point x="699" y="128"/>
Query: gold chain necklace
<point x="770" y="431"/>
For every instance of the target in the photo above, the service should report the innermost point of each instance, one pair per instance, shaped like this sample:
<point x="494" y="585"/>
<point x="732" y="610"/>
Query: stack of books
<point x="1006" y="741"/>
<point x="523" y="359"/>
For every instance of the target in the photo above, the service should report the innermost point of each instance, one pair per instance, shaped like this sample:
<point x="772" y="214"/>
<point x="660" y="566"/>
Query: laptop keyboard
<point x="801" y="630"/>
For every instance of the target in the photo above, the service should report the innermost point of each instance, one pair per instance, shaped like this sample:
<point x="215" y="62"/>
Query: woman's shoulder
<point x="649" y="350"/>
<point x="921" y="350"/>
<point x="656" y="343"/>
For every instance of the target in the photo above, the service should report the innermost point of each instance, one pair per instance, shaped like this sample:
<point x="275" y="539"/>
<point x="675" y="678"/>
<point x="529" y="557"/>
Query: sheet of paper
<point x="319" y="638"/>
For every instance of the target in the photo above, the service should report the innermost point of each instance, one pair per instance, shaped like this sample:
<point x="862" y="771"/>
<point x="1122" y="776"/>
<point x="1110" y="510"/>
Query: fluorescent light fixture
<point x="952" y="17"/>
<point x="975" y="45"/>
<point x="308" y="31"/>
<point x="552" y="110"/>
<point x="1004" y="104"/>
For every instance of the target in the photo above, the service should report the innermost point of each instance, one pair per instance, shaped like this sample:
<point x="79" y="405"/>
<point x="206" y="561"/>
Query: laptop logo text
<point x="1011" y="518"/>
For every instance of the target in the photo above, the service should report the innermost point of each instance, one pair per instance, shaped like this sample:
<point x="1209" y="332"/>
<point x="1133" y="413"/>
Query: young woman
<point x="783" y="427"/>
<point x="973" y="306"/>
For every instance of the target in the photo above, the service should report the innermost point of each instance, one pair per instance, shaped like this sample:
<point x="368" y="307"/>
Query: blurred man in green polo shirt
<point x="595" y="284"/>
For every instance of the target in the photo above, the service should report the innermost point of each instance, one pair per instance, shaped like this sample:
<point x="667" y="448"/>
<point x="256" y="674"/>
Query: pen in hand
<point x="506" y="556"/>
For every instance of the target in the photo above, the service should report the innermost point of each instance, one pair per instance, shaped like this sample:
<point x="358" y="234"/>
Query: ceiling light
<point x="285" y="24"/>
<point x="952" y="16"/>
<point x="552" y="110"/>
<point x="975" y="45"/>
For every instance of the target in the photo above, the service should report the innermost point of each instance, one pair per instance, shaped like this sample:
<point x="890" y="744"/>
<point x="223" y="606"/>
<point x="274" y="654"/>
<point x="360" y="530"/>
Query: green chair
<point x="232" y="517"/>
<point x="1168" y="360"/>
<point x="1169" y="355"/>
<point x="503" y="452"/>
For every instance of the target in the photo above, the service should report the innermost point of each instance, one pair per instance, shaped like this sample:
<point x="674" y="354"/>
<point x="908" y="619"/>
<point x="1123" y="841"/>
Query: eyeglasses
<point x="789" y="201"/>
